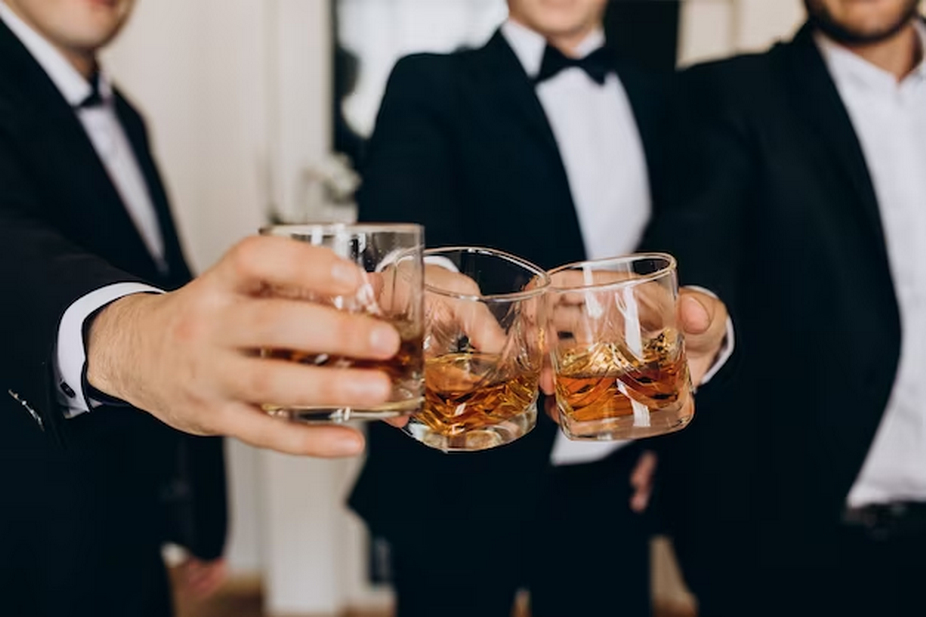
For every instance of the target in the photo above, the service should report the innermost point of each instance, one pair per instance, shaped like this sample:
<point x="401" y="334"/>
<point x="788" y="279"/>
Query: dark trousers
<point x="73" y="548"/>
<point x="585" y="553"/>
<point x="851" y="574"/>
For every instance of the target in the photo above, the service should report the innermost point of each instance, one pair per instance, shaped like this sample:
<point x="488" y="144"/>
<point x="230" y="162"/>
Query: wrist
<point x="113" y="343"/>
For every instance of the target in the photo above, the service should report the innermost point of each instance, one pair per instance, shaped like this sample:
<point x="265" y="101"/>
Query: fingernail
<point x="384" y="340"/>
<point x="701" y="320"/>
<point x="346" y="273"/>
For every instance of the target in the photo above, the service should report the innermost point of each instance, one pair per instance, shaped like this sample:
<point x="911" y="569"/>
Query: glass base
<point x="333" y="415"/>
<point x="475" y="440"/>
<point x="661" y="422"/>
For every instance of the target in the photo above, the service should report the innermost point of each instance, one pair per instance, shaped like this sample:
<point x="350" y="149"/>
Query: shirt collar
<point x="848" y="68"/>
<point x="529" y="45"/>
<point x="72" y="85"/>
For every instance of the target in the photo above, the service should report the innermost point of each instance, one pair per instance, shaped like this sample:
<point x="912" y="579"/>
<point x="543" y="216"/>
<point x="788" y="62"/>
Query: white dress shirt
<point x="602" y="151"/>
<point x="890" y="121"/>
<point x="115" y="151"/>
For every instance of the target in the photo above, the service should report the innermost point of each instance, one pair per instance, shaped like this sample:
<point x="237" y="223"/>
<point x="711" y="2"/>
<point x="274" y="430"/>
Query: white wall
<point x="713" y="29"/>
<point x="196" y="69"/>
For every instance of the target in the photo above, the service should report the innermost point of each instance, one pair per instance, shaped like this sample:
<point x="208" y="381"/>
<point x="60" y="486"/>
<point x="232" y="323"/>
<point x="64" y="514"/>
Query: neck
<point x="566" y="42"/>
<point x="898" y="55"/>
<point x="83" y="61"/>
<point x="569" y="42"/>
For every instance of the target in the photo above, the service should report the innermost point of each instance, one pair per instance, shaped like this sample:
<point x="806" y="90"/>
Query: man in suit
<point x="541" y="143"/>
<point x="800" y="490"/>
<point x="93" y="487"/>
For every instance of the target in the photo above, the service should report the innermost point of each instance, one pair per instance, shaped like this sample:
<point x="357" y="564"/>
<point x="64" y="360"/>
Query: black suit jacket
<point x="783" y="223"/>
<point x="64" y="232"/>
<point x="462" y="145"/>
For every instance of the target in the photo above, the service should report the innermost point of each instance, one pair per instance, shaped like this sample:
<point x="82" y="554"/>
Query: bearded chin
<point x="821" y="19"/>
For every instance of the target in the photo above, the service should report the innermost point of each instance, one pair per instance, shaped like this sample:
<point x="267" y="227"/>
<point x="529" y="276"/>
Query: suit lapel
<point x="501" y="79"/>
<point x="178" y="271"/>
<point x="816" y="97"/>
<point x="56" y="136"/>
<point x="516" y="92"/>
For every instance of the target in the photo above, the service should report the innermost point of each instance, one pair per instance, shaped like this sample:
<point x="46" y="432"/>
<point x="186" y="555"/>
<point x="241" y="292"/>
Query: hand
<point x="190" y="358"/>
<point x="201" y="579"/>
<point x="641" y="479"/>
<point x="703" y="319"/>
<point x="449" y="316"/>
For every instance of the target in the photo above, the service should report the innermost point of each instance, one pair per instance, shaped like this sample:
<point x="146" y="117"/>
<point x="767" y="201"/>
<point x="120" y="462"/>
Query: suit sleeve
<point x="41" y="274"/>
<point x="702" y="213"/>
<point x="409" y="171"/>
<point x="702" y="221"/>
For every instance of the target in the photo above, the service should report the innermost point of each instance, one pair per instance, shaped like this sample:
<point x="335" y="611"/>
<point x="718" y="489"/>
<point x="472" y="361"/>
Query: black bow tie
<point x="94" y="99"/>
<point x="595" y="64"/>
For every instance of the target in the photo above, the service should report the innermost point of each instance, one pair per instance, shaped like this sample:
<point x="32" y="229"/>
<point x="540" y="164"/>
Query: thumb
<point x="703" y="320"/>
<point x="695" y="315"/>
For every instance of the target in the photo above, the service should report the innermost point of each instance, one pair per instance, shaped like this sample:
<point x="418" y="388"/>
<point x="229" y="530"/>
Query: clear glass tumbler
<point x="483" y="348"/>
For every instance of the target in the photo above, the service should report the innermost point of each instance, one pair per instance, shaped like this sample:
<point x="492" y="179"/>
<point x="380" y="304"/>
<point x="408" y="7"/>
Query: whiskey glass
<point x="617" y="353"/>
<point x="391" y="257"/>
<point x="483" y="349"/>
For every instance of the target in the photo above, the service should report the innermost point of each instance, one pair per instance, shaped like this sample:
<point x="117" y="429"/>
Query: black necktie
<point x="595" y="64"/>
<point x="94" y="99"/>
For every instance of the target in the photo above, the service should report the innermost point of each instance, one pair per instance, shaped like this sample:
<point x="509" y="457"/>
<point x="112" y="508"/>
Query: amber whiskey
<point x="471" y="391"/>
<point x="606" y="388"/>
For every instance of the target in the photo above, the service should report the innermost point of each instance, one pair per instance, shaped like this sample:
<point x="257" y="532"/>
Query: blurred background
<point x="259" y="110"/>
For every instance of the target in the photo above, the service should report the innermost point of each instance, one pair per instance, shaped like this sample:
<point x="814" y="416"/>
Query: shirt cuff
<point x="726" y="350"/>
<point x="70" y="357"/>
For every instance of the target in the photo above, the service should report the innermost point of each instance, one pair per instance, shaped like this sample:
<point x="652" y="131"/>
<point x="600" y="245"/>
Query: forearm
<point x="114" y="343"/>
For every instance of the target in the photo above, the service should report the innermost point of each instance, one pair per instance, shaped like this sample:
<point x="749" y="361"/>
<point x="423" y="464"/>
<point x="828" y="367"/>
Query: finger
<point x="288" y="264"/>
<point x="290" y="384"/>
<point x="274" y="323"/>
<point x="566" y="318"/>
<point x="470" y="314"/>
<point x="257" y="429"/>
<point x="399" y="422"/>
<point x="547" y="381"/>
<point x="640" y="500"/>
<point x="448" y="318"/>
<point x="643" y="471"/>
<point x="480" y="325"/>
<point x="642" y="481"/>
<point x="440" y="278"/>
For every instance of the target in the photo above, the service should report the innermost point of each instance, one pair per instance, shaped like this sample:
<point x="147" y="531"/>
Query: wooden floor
<point x="243" y="598"/>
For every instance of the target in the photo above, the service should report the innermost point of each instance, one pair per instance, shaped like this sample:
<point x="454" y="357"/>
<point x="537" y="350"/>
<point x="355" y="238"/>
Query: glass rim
<point x="515" y="296"/>
<point x="670" y="266"/>
<point x="334" y="228"/>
